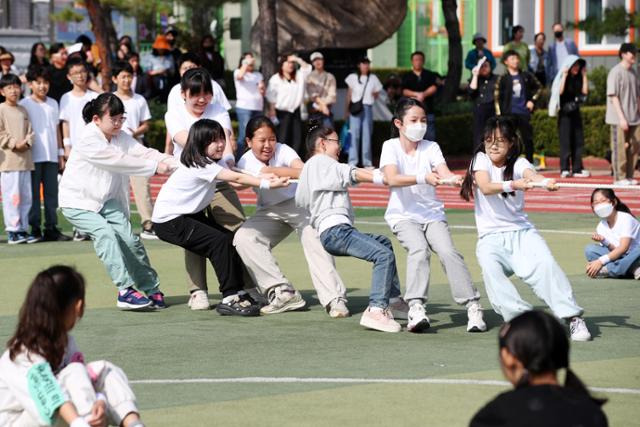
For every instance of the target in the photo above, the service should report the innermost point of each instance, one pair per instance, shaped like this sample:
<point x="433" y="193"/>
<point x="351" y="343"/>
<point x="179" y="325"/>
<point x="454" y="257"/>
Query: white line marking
<point x="299" y="380"/>
<point x="473" y="227"/>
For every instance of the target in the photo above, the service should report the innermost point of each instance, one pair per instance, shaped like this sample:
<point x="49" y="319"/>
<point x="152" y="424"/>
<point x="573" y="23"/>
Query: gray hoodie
<point x="322" y="189"/>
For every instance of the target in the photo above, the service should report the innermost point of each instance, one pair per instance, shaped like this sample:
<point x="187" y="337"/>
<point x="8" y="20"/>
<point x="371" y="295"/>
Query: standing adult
<point x="160" y="67"/>
<point x="171" y="35"/>
<point x="38" y="56"/>
<point x="211" y="59"/>
<point x="321" y="91"/>
<point x="478" y="52"/>
<point x="569" y="89"/>
<point x="364" y="88"/>
<point x="515" y="94"/>
<point x="623" y="92"/>
<point x="559" y="50"/>
<point x="285" y="93"/>
<point x="421" y="84"/>
<point x="539" y="59"/>
<point x="521" y="48"/>
<point x="250" y="90"/>
<point x="481" y="88"/>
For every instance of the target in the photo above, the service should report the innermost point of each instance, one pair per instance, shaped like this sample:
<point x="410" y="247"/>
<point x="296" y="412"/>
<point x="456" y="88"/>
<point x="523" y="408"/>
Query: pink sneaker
<point x="379" y="319"/>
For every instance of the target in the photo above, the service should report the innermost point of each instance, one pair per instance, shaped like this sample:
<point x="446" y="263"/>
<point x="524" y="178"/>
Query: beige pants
<point x="268" y="227"/>
<point x="227" y="211"/>
<point x="142" y="196"/>
<point x="624" y="159"/>
<point x="76" y="382"/>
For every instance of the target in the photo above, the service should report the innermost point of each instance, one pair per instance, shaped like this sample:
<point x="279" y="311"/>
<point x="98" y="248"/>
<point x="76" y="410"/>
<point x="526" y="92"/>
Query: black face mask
<point x="558" y="34"/>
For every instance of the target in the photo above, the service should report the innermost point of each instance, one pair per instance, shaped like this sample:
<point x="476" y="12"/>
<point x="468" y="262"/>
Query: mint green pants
<point x="121" y="251"/>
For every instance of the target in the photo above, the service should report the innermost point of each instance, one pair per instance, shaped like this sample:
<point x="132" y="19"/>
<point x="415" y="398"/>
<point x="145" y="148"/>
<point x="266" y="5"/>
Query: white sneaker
<point x="282" y="299"/>
<point x="399" y="308"/>
<point x="636" y="274"/>
<point x="578" y="329"/>
<point x="199" y="300"/>
<point x="626" y="182"/>
<point x="603" y="273"/>
<point x="476" y="321"/>
<point x="418" y="320"/>
<point x="582" y="174"/>
<point x="380" y="320"/>
<point x="337" y="308"/>
<point x="565" y="174"/>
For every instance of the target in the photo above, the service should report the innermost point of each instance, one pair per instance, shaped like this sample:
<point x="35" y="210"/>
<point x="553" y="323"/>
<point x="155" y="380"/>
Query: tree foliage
<point x="616" y="21"/>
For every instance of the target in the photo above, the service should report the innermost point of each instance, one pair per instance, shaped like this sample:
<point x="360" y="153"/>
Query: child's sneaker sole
<point x="132" y="307"/>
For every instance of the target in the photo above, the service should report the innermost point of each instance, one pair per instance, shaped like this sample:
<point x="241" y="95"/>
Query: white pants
<point x="268" y="227"/>
<point x="16" y="199"/>
<point x="81" y="383"/>
<point x="525" y="254"/>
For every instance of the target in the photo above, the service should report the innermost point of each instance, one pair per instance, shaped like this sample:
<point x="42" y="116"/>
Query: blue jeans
<point x="361" y="128"/>
<point x="345" y="240"/>
<point x="243" y="118"/>
<point x="618" y="268"/>
<point x="431" y="128"/>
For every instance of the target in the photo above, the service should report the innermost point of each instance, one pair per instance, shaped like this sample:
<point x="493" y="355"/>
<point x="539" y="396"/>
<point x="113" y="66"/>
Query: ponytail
<point x="100" y="105"/>
<point x="572" y="382"/>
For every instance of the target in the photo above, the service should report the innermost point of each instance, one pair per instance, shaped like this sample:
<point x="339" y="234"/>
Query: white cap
<point x="74" y="48"/>
<point x="316" y="55"/>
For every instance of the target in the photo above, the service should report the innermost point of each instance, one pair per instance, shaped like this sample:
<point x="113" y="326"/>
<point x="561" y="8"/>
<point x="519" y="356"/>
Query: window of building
<point x="590" y="44"/>
<point x="504" y="14"/>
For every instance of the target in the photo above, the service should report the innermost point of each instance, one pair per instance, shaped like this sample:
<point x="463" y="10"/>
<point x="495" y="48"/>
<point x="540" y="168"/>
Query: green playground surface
<point x="303" y="368"/>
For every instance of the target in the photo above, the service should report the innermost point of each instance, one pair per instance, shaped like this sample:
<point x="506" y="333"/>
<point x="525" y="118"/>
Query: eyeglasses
<point x="118" y="122"/>
<point x="78" y="74"/>
<point x="337" y="141"/>
<point x="498" y="142"/>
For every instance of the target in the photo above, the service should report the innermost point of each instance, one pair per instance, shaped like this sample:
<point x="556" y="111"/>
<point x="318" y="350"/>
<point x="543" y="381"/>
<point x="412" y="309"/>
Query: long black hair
<point x="33" y="60"/>
<point x="611" y="196"/>
<point x="316" y="130"/>
<point x="41" y="323"/>
<point x="403" y="107"/>
<point x="201" y="135"/>
<point x="508" y="131"/>
<point x="100" y="105"/>
<point x="541" y="344"/>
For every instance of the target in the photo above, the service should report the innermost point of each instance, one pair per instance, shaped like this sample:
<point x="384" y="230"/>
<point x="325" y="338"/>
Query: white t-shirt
<point x="286" y="94"/>
<point x="417" y="203"/>
<point x="71" y="111"/>
<point x="247" y="94"/>
<point x="44" y="122"/>
<point x="283" y="157"/>
<point x="495" y="213"/>
<point x="136" y="111"/>
<point x="561" y="53"/>
<point x="626" y="226"/>
<point x="356" y="87"/>
<point x="175" y="99"/>
<point x="187" y="191"/>
<point x="180" y="119"/>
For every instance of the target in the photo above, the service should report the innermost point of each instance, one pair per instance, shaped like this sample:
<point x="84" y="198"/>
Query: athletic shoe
<point x="582" y="174"/>
<point x="133" y="300"/>
<point x="474" y="314"/>
<point x="379" y="320"/>
<point x="257" y="296"/>
<point x="626" y="182"/>
<point x="238" y="305"/>
<point x="418" y="320"/>
<point x="281" y="299"/>
<point x="34" y="237"/>
<point x="636" y="273"/>
<point x="565" y="174"/>
<point x="157" y="299"/>
<point x="399" y="308"/>
<point x="55" y="235"/>
<point x="603" y="273"/>
<point x="338" y="308"/>
<point x="199" y="300"/>
<point x="578" y="329"/>
<point x="80" y="237"/>
<point x="635" y="269"/>
<point x="15" y="238"/>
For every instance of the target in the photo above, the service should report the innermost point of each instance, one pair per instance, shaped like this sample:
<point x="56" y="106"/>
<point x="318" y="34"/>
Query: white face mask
<point x="415" y="131"/>
<point x="603" y="210"/>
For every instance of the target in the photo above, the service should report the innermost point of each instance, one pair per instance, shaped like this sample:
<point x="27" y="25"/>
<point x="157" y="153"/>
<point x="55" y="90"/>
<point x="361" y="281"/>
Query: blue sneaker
<point x="133" y="300"/>
<point x="157" y="300"/>
<point x="16" y="237"/>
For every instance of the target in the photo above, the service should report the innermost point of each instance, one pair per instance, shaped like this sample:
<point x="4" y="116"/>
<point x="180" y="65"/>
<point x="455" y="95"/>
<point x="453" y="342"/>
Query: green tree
<point x="615" y="21"/>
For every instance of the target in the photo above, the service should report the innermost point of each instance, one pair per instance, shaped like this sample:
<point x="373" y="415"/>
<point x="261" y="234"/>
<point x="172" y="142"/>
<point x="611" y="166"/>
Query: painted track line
<point x="473" y="227"/>
<point x="300" y="380"/>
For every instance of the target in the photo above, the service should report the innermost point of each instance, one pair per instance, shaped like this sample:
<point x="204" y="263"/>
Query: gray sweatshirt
<point x="322" y="189"/>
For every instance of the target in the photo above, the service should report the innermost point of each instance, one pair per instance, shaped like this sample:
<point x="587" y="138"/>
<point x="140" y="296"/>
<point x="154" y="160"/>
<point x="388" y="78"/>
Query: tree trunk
<point x="268" y="37"/>
<point x="454" y="73"/>
<point x="105" y="37"/>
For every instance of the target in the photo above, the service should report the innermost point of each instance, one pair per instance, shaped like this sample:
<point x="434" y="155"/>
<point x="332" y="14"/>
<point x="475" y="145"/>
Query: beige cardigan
<point x="14" y="126"/>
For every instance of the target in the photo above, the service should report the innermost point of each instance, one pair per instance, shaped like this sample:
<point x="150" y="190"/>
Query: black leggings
<point x="290" y="130"/>
<point x="571" y="141"/>
<point x="201" y="235"/>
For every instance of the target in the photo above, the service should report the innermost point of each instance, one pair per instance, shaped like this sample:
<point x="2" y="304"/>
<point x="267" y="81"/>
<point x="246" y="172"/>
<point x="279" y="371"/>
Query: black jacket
<point x="504" y="91"/>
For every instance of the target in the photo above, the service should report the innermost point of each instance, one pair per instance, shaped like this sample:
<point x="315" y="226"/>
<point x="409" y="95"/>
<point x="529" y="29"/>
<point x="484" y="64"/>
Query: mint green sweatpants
<point x="121" y="251"/>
